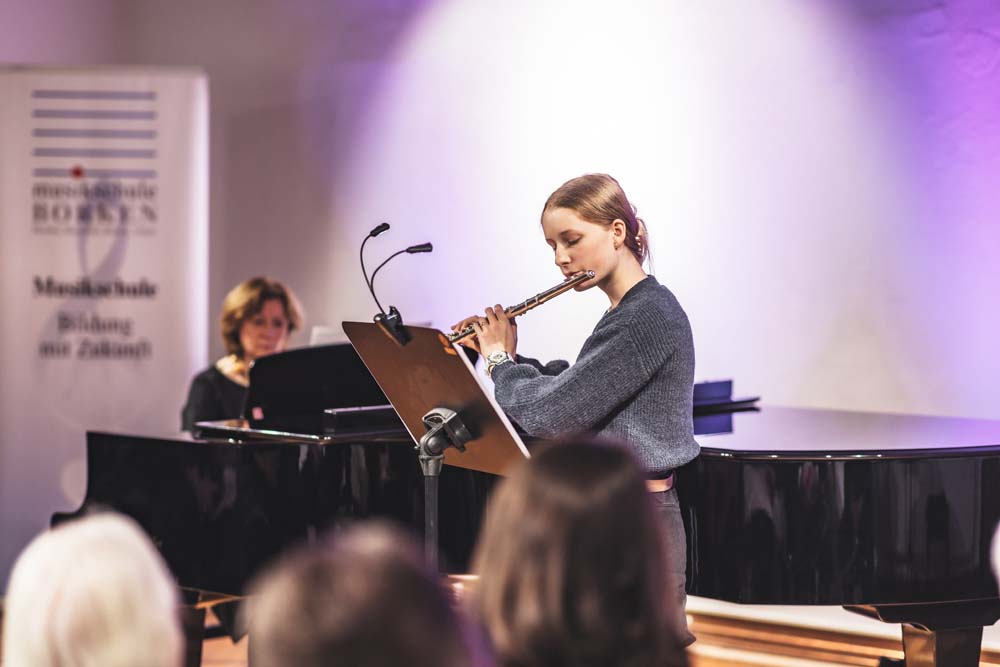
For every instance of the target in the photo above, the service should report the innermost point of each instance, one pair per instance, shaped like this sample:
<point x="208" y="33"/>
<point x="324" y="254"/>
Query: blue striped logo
<point x="94" y="160"/>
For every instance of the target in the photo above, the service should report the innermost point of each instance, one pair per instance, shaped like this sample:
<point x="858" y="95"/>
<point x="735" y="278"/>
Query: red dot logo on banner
<point x="76" y="172"/>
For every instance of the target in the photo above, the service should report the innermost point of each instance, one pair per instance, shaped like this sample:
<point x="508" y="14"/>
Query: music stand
<point x="438" y="396"/>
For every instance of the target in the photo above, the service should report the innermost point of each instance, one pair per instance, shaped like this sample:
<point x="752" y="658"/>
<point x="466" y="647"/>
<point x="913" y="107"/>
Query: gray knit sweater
<point x="632" y="382"/>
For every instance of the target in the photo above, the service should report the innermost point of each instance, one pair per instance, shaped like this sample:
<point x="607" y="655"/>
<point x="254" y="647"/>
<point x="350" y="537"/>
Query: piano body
<point x="886" y="515"/>
<point x="318" y="446"/>
<point x="890" y="516"/>
<point x="223" y="503"/>
<point x="220" y="510"/>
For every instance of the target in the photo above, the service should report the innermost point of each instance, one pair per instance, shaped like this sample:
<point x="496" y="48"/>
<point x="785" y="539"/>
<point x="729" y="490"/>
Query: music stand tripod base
<point x="444" y="429"/>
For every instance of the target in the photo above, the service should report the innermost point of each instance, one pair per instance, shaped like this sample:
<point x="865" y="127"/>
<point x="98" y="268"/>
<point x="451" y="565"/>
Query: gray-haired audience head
<point x="364" y="598"/>
<point x="571" y="563"/>
<point x="92" y="593"/>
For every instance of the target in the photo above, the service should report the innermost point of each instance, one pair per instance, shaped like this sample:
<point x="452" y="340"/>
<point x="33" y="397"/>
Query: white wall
<point x="815" y="180"/>
<point x="38" y="32"/>
<point x="289" y="84"/>
<point x="60" y="31"/>
<point x="818" y="178"/>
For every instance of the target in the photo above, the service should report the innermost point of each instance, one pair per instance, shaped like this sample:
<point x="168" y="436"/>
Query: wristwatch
<point x="494" y="359"/>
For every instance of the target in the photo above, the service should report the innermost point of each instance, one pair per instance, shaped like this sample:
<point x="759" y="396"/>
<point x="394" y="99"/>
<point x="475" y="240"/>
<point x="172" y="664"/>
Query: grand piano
<point x="887" y="515"/>
<point x="318" y="448"/>
<point x="890" y="516"/>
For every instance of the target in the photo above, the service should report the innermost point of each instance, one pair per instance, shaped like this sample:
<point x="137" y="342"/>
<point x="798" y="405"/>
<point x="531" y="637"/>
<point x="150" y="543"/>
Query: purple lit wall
<point x="819" y="178"/>
<point x="819" y="181"/>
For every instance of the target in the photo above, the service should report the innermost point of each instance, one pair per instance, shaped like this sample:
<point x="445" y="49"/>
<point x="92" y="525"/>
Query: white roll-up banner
<point x="103" y="271"/>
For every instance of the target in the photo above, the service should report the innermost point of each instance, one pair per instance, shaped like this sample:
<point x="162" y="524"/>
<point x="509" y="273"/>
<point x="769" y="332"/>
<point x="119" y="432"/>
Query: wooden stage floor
<point x="722" y="642"/>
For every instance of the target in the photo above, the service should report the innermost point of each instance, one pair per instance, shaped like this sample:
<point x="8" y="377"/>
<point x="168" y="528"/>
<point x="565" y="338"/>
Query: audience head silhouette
<point x="365" y="598"/>
<point x="92" y="593"/>
<point x="571" y="563"/>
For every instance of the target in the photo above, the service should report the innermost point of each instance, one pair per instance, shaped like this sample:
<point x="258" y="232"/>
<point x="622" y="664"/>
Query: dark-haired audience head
<point x="257" y="317"/>
<point x="92" y="593"/>
<point x="364" y="598"/>
<point x="571" y="564"/>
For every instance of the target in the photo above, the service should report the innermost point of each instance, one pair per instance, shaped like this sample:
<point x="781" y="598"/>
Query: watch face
<point x="497" y="356"/>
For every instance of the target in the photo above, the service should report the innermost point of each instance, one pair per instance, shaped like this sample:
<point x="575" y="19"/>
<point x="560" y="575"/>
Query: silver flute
<point x="528" y="304"/>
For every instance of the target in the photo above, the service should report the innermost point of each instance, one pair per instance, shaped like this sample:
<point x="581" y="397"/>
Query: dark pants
<point x="669" y="510"/>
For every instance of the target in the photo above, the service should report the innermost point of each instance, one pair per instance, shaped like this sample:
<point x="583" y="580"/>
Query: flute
<point x="528" y="304"/>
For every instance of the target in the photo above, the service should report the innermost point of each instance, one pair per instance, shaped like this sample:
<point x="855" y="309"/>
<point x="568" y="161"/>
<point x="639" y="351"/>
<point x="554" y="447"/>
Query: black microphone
<point x="391" y="323"/>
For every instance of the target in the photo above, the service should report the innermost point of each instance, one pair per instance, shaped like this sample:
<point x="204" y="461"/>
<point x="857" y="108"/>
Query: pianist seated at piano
<point x="93" y="592"/>
<point x="572" y="564"/>
<point x="258" y="316"/>
<point x="366" y="597"/>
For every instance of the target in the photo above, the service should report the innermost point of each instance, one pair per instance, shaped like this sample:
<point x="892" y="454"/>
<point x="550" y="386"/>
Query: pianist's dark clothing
<point x="212" y="396"/>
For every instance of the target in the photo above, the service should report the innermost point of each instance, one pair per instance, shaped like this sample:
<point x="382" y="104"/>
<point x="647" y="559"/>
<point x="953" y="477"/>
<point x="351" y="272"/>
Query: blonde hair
<point x="572" y="565"/>
<point x="246" y="300"/>
<point x="92" y="593"/>
<point x="599" y="198"/>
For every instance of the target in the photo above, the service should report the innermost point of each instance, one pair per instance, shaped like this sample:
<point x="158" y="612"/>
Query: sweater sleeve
<point x="612" y="368"/>
<point x="552" y="368"/>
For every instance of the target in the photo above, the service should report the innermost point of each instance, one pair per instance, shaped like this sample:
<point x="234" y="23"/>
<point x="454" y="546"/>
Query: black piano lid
<point x="819" y="434"/>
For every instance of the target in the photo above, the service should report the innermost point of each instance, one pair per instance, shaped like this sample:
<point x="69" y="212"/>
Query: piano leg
<point x="193" y="623"/>
<point x="938" y="634"/>
<point x="942" y="648"/>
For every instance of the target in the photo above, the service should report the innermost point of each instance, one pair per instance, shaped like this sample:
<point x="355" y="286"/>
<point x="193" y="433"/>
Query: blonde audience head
<point x="571" y="564"/>
<point x="364" y="598"/>
<point x="92" y="593"/>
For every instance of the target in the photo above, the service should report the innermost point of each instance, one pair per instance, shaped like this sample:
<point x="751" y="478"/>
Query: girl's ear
<point x="619" y="230"/>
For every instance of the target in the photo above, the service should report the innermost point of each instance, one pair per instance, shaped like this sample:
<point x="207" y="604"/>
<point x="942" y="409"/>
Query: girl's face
<point x="579" y="245"/>
<point x="266" y="332"/>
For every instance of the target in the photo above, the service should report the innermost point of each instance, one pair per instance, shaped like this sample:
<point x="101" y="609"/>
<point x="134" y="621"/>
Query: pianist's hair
<point x="92" y="593"/>
<point x="246" y="300"/>
<point x="572" y="565"/>
<point x="599" y="198"/>
<point x="363" y="598"/>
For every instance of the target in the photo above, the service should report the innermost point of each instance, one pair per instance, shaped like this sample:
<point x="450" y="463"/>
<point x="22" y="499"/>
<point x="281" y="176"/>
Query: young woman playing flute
<point x="633" y="379"/>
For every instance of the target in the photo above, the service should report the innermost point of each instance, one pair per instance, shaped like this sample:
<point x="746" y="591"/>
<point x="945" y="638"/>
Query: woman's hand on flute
<point x="471" y="341"/>
<point x="495" y="332"/>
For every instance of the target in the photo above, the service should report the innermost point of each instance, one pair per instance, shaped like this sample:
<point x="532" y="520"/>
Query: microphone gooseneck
<point x="378" y="229"/>
<point x="423" y="247"/>
<point x="371" y="283"/>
